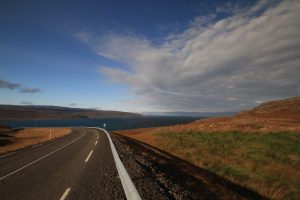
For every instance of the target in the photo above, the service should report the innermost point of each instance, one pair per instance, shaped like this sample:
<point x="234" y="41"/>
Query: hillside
<point x="280" y="108"/>
<point x="4" y="129"/>
<point x="274" y="116"/>
<point x="258" y="149"/>
<point x="189" y="114"/>
<point x="56" y="112"/>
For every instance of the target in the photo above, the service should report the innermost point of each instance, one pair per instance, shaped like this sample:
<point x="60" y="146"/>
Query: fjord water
<point x="112" y="124"/>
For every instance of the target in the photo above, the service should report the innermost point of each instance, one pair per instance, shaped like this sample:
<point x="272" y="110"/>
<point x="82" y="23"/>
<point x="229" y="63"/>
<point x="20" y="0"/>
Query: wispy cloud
<point x="30" y="90"/>
<point x="73" y="104"/>
<point x="9" y="85"/>
<point x="16" y="86"/>
<point x="250" y="56"/>
<point x="26" y="103"/>
<point x="83" y="36"/>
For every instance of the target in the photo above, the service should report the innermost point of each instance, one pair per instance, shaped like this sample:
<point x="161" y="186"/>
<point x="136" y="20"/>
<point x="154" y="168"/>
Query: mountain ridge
<point x="57" y="112"/>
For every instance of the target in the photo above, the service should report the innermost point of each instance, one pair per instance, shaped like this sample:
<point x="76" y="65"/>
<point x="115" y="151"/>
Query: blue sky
<point x="147" y="55"/>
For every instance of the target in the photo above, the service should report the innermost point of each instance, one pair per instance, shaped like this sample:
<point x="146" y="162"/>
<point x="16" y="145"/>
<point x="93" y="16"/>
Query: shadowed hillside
<point x="55" y="112"/>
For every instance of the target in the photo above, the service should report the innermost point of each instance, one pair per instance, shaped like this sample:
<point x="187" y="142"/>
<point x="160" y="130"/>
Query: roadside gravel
<point x="159" y="175"/>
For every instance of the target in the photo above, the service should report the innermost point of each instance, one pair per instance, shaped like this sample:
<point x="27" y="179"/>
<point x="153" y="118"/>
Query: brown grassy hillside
<point x="11" y="139"/>
<point x="258" y="149"/>
<point x="274" y="116"/>
<point x="279" y="108"/>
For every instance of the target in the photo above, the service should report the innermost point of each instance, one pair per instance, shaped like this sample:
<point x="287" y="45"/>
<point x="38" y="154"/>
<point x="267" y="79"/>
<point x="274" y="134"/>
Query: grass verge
<point x="267" y="163"/>
<point x="30" y="136"/>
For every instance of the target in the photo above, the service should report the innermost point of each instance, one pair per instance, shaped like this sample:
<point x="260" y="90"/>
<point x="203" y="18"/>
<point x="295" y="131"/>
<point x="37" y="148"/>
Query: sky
<point x="149" y="55"/>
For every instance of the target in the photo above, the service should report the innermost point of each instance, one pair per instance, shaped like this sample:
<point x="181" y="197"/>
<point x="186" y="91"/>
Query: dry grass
<point x="259" y="148"/>
<point x="266" y="163"/>
<point x="32" y="136"/>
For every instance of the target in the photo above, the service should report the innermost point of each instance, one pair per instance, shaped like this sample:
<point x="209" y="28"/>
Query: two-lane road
<point x="78" y="166"/>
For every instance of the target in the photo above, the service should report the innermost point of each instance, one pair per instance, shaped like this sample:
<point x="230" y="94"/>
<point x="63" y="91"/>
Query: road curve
<point x="78" y="166"/>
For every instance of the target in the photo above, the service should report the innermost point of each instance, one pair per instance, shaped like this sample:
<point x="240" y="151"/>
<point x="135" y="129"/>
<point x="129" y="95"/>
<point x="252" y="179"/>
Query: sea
<point x="110" y="124"/>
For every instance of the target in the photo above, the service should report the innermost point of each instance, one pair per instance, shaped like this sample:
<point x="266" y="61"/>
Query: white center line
<point x="88" y="157"/>
<point x="96" y="142"/>
<point x="11" y="173"/>
<point x="65" y="194"/>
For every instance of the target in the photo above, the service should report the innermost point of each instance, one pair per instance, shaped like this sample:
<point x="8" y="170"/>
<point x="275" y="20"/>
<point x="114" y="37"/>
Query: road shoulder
<point x="157" y="174"/>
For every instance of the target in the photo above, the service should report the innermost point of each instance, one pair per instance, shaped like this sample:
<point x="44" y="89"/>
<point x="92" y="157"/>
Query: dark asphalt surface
<point x="47" y="171"/>
<point x="49" y="177"/>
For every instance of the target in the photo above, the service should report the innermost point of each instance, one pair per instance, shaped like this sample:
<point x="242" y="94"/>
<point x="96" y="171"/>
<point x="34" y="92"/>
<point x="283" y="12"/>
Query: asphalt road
<point x="77" y="166"/>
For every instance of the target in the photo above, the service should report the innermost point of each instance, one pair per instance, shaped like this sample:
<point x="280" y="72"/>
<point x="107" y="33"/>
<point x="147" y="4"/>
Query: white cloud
<point x="230" y="64"/>
<point x="83" y="36"/>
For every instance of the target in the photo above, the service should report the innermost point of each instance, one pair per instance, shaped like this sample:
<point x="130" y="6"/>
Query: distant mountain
<point x="190" y="114"/>
<point x="57" y="112"/>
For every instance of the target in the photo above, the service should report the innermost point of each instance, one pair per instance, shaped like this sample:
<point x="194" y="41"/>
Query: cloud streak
<point x="29" y="103"/>
<point x="9" y="85"/>
<point x="30" y="90"/>
<point x="16" y="86"/>
<point x="252" y="55"/>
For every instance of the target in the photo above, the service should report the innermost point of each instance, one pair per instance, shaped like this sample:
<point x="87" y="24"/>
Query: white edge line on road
<point x="96" y="143"/>
<point x="11" y="173"/>
<point x="37" y="145"/>
<point x="128" y="186"/>
<point x="65" y="194"/>
<point x="7" y="154"/>
<point x="88" y="157"/>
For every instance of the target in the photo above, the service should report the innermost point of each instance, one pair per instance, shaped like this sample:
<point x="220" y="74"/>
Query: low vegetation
<point x="258" y="148"/>
<point x="266" y="163"/>
<point x="16" y="139"/>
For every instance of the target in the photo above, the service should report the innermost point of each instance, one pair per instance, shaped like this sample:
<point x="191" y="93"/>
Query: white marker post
<point x="104" y="126"/>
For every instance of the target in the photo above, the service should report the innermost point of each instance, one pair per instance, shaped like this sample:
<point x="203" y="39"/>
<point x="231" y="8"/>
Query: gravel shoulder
<point x="159" y="175"/>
